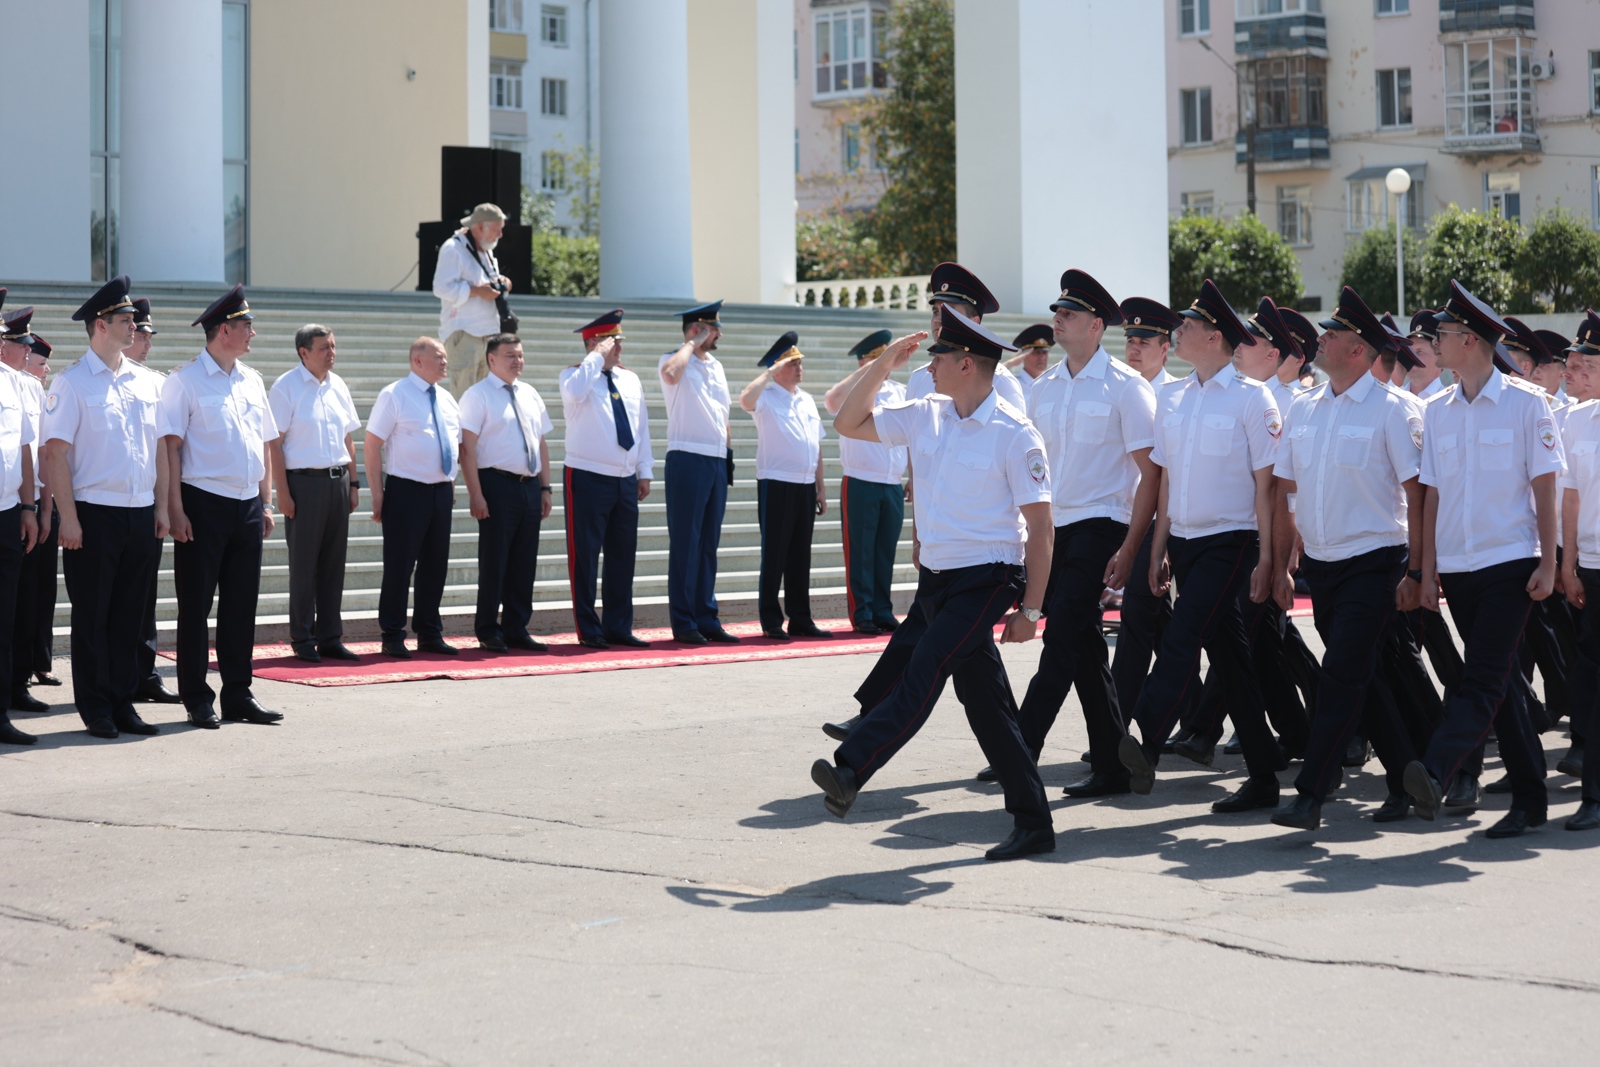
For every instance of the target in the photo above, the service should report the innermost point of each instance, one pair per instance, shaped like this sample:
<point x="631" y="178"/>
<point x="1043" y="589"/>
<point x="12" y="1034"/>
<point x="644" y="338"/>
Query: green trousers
<point x="873" y="514"/>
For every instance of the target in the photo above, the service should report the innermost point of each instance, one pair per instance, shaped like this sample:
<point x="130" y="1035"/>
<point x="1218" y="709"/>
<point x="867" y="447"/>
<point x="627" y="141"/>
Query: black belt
<point x="320" y="472"/>
<point x="513" y="475"/>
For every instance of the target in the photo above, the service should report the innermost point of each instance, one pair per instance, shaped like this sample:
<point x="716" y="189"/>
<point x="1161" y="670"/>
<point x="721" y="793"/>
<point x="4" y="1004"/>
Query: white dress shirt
<point x="1212" y="437"/>
<point x="1162" y="378"/>
<point x="971" y="477"/>
<point x="1283" y="394"/>
<point x="1482" y="457"/>
<point x="697" y="407"/>
<point x="1581" y="439"/>
<point x="1431" y="390"/>
<point x="1091" y="424"/>
<point x="223" y="421"/>
<point x="507" y="439"/>
<point x="314" y="418"/>
<point x="404" y="419"/>
<point x="457" y="272"/>
<point x="592" y="425"/>
<point x="33" y="411"/>
<point x="1348" y="456"/>
<point x="870" y="461"/>
<point x="789" y="435"/>
<point x="112" y="422"/>
<point x="16" y="429"/>
<point x="1005" y="383"/>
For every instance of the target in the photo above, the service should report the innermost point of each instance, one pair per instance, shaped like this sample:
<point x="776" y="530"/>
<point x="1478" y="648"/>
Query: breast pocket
<point x="1353" y="447"/>
<point x="1494" y="450"/>
<point x="1172" y="435"/>
<point x="11" y="417"/>
<point x="968" y="473"/>
<point x="252" y="418"/>
<point x="97" y="413"/>
<point x="1447" y="454"/>
<point x="1216" y="435"/>
<point x="1583" y="456"/>
<point x="1090" y="419"/>
<point x="1301" y="450"/>
<point x="213" y="416"/>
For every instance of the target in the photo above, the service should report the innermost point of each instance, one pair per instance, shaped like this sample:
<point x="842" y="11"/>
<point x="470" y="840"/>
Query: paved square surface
<point x="635" y="866"/>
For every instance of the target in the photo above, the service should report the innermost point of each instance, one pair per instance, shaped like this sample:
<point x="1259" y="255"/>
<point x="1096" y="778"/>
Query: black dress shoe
<point x="1253" y="794"/>
<point x="1426" y="795"/>
<point x="1515" y="823"/>
<point x="1234" y="747"/>
<point x="438" y="646"/>
<point x="775" y="635"/>
<point x="396" y="647"/>
<point x="44" y="678"/>
<point x="987" y="774"/>
<point x="720" y="636"/>
<point x="492" y="643"/>
<point x="1201" y="748"/>
<point x="102" y="728"/>
<point x="1023" y="843"/>
<point x="127" y="721"/>
<point x="627" y="641"/>
<point x="1393" y="808"/>
<point x="1572" y="762"/>
<point x="1499" y="785"/>
<point x="308" y="653"/>
<point x="22" y="700"/>
<point x="1357" y="752"/>
<point x="1141" y="772"/>
<point x="10" y="735"/>
<point x="250" y="710"/>
<point x="867" y="629"/>
<point x="205" y="718"/>
<point x="1183" y="734"/>
<point x="809" y="629"/>
<point x="155" y="691"/>
<point x="1464" y="797"/>
<point x="1587" y="817"/>
<point x="889" y="625"/>
<point x="336" y="650"/>
<point x="1304" y="812"/>
<point x="1098" y="785"/>
<point x="524" y="643"/>
<point x="599" y="644"/>
<point x="840" y="730"/>
<point x="689" y="637"/>
<point x="838" y="785"/>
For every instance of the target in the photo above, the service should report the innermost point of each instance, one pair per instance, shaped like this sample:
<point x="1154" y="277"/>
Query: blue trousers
<point x="602" y="513"/>
<point x="697" y="498"/>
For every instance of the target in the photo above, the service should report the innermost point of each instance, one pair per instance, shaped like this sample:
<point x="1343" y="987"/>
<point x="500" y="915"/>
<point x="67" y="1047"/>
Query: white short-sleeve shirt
<point x="16" y="430"/>
<point x="33" y="408"/>
<point x="1212" y="437"/>
<point x="1091" y="424"/>
<point x="314" y="418"/>
<point x="870" y="461"/>
<point x="1431" y="390"/>
<point x="1482" y="458"/>
<point x="224" y="421"/>
<point x="788" y="435"/>
<point x="1349" y="456"/>
<point x="487" y="411"/>
<point x="971" y="477"/>
<point x="1580" y="437"/>
<point x="591" y="420"/>
<point x="112" y="423"/>
<point x="1005" y="383"/>
<point x="697" y="407"/>
<point x="404" y="419"/>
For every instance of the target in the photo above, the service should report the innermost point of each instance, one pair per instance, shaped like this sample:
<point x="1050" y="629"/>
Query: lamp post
<point x="1398" y="182"/>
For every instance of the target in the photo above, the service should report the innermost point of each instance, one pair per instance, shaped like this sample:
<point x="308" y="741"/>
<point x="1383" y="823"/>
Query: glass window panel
<point x="234" y="70"/>
<point x="1205" y="115"/>
<point x="235" y="228"/>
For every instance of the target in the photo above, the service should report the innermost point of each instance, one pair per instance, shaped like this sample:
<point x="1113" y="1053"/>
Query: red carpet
<point x="277" y="663"/>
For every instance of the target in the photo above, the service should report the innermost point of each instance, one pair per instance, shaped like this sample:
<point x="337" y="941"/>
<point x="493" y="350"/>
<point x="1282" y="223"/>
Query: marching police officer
<point x="218" y="423"/>
<point x="1580" y="563"/>
<point x="35" y="638"/>
<point x="607" y="473"/>
<point x="16" y="340"/>
<point x="19" y="525"/>
<point x="1033" y="353"/>
<point x="957" y="288"/>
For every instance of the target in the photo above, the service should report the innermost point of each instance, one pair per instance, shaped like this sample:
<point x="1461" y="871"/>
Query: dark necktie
<point x="516" y="413"/>
<point x="438" y="429"/>
<point x="620" y="414"/>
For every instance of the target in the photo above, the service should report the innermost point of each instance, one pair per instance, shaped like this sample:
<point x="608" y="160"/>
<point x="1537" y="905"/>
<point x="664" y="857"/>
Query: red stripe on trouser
<point x="844" y="523"/>
<point x="572" y="559"/>
<point x="1194" y="668"/>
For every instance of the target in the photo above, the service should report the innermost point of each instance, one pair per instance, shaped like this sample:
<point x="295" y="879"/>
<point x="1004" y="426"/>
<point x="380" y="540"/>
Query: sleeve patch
<point x="51" y="401"/>
<point x="1038" y="469"/>
<point x="1547" y="434"/>
<point x="1274" y="423"/>
<point x="1415" y="422"/>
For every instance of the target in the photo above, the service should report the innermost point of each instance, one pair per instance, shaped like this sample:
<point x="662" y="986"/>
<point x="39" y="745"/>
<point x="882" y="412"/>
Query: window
<point x="1202" y="204"/>
<point x="552" y="172"/>
<point x="552" y="96"/>
<point x="1487" y="89"/>
<point x="1594" y="83"/>
<point x="1256" y="9"/>
<point x="850" y="148"/>
<point x="1195" y="105"/>
<point x="1194" y="17"/>
<point x="1394" y="98"/>
<point x="505" y="86"/>
<point x="505" y="16"/>
<point x="797" y="153"/>
<point x="1394" y="7"/>
<point x="235" y="142"/>
<point x="1285" y="92"/>
<point x="851" y="49"/>
<point x="1502" y="194"/>
<point x="553" y="25"/>
<point x="105" y="130"/>
<point x="1368" y="204"/>
<point x="1594" y="194"/>
<point x="1294" y="214"/>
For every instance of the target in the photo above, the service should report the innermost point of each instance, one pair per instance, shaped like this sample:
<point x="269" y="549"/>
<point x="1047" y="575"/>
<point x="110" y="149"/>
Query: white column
<point x="44" y="186"/>
<point x="1068" y="168"/>
<point x="478" y="70"/>
<point x="646" y="220"/>
<point x="171" y="214"/>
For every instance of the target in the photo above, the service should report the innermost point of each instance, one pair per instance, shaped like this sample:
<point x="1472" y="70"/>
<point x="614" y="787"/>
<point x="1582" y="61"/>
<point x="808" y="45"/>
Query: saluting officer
<point x="16" y="339"/>
<point x="607" y="473"/>
<point x="983" y="506"/>
<point x="1580" y="563"/>
<point x="1033" y="353"/>
<point x="19" y="525"/>
<point x="1216" y="440"/>
<point x="791" y="493"/>
<point x="1491" y="457"/>
<point x="218" y="423"/>
<point x="106" y="466"/>
<point x="955" y="286"/>
<point x="872" y="499"/>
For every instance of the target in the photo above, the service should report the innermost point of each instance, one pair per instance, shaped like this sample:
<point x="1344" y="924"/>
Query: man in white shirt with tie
<point x="414" y="434"/>
<point x="606" y="474"/>
<point x="506" y="464"/>
<point x="314" y="469"/>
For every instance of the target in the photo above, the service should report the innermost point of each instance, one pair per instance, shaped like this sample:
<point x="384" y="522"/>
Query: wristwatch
<point x="1033" y="614"/>
<point x="30" y="507"/>
<point x="1415" y="576"/>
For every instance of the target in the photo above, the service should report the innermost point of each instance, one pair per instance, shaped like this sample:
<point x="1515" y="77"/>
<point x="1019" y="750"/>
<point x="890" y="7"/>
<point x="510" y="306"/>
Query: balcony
<point x="1282" y="33"/>
<point x="1468" y="16"/>
<point x="1489" y="104"/>
<point x="1288" y="148"/>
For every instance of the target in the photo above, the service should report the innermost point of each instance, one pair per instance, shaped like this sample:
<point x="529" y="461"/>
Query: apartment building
<point x="840" y="49"/>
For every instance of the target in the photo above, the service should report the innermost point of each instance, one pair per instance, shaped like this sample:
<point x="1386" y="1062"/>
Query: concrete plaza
<point x="635" y="866"/>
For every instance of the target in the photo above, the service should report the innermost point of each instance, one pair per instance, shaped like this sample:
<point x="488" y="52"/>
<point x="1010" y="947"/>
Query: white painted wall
<point x="44" y="186"/>
<point x="478" y="72"/>
<point x="776" y="90"/>
<point x="1065" y="166"/>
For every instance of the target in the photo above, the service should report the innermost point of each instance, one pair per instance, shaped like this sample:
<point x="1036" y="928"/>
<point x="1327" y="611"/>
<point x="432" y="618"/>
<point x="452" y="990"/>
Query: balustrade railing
<point x="899" y="294"/>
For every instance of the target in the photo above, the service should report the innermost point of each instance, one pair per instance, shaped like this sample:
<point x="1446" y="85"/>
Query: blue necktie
<point x="438" y="429"/>
<point x="620" y="414"/>
<point x="516" y="413"/>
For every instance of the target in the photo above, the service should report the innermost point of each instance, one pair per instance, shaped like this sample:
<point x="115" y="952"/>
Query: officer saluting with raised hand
<point x="1490" y="460"/>
<point x="956" y="287"/>
<point x="983" y="505"/>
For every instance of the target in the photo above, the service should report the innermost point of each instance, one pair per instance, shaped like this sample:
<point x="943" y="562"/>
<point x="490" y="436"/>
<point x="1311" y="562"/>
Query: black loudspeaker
<point x="472" y="176"/>
<point x="514" y="254"/>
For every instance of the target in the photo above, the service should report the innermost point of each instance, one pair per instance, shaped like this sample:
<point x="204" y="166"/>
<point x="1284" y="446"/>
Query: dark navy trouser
<point x="697" y="498"/>
<point x="602" y="512"/>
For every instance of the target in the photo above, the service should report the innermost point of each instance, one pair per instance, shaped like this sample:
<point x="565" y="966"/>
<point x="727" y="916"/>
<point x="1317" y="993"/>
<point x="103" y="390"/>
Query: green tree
<point x="566" y="266"/>
<point x="1474" y="248"/>
<point x="1369" y="267"/>
<point x="1558" y="266"/>
<point x="912" y="129"/>
<point x="835" y="246"/>
<point x="1245" y="259"/>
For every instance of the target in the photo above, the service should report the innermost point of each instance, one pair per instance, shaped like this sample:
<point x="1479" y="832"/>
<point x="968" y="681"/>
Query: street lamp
<point x="1398" y="182"/>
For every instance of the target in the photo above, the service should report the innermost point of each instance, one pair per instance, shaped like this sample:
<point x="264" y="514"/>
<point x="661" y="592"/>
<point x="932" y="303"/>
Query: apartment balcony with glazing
<point x="1489" y="100"/>
<point x="1467" y="16"/>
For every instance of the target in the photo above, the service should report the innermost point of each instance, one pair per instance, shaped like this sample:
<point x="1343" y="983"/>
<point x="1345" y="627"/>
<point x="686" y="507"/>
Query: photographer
<point x="471" y="292"/>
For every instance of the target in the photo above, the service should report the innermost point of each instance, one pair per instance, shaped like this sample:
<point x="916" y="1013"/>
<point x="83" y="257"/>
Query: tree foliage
<point x="1558" y="263"/>
<point x="836" y="246"/>
<point x="1476" y="249"/>
<point x="1369" y="267"/>
<point x="566" y="266"/>
<point x="1245" y="258"/>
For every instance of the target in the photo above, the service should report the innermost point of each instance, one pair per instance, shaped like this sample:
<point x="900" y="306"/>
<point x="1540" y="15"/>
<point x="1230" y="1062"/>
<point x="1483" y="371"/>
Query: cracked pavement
<point x="573" y="868"/>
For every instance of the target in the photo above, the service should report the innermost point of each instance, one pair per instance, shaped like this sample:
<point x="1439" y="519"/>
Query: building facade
<point x="1487" y="104"/>
<point x="840" y="52"/>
